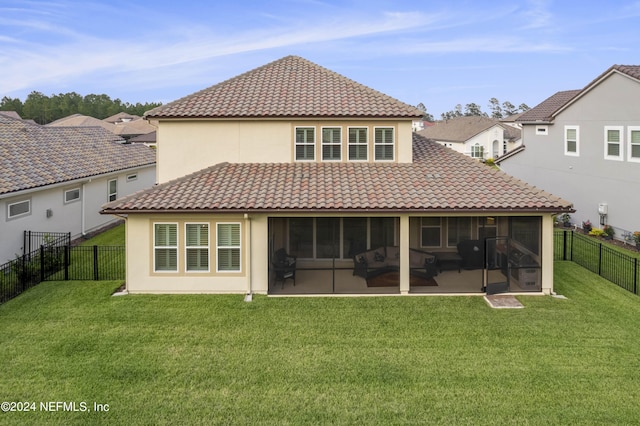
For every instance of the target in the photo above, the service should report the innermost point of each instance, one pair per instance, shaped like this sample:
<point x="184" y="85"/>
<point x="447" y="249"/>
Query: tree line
<point x="45" y="109"/>
<point x="498" y="110"/>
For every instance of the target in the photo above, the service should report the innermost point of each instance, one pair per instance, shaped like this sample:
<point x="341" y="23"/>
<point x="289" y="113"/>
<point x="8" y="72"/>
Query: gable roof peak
<point x="288" y="87"/>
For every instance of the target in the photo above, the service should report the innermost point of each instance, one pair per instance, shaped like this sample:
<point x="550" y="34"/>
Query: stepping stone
<point x="503" y="301"/>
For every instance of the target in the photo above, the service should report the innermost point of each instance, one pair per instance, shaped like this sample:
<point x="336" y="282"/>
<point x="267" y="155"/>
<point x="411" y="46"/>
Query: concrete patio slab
<point x="503" y="301"/>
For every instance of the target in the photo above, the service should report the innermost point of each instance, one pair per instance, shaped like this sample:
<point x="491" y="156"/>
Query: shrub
<point x="608" y="231"/>
<point x="596" y="232"/>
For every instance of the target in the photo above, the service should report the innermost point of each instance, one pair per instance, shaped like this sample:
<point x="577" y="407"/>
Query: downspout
<point x="82" y="211"/>
<point x="249" y="294"/>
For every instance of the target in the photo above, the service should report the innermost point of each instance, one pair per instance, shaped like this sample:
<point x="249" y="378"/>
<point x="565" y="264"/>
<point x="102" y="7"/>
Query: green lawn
<point x="206" y="359"/>
<point x="110" y="237"/>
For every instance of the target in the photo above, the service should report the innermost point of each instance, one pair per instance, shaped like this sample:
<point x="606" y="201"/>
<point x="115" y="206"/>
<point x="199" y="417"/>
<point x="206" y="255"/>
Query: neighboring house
<point x="148" y="139"/>
<point x="585" y="146"/>
<point x="475" y="136"/>
<point x="294" y="171"/>
<point x="122" y="124"/>
<point x="55" y="179"/>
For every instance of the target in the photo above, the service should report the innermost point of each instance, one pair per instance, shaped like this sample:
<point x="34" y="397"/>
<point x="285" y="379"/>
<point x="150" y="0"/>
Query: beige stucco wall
<point x="185" y="146"/>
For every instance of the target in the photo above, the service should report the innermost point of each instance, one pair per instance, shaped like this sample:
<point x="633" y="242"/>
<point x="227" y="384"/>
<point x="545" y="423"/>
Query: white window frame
<point x="384" y="143"/>
<point x="132" y="177"/>
<point x="620" y="130"/>
<point x="542" y="130"/>
<point x="167" y="247"/>
<point x="112" y="196"/>
<point x="66" y="199"/>
<point x="15" y="216"/>
<point x="630" y="144"/>
<point x="305" y="143"/>
<point x="474" y="151"/>
<point x="358" y="143"/>
<point x="219" y="247"/>
<point x="331" y="143"/>
<point x="206" y="247"/>
<point x="566" y="140"/>
<point x="439" y="227"/>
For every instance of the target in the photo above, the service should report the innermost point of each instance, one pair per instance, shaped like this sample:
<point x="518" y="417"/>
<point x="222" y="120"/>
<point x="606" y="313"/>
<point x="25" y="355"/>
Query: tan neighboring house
<point x="55" y="179"/>
<point x="475" y="136"/>
<point x="122" y="124"/>
<point x="293" y="179"/>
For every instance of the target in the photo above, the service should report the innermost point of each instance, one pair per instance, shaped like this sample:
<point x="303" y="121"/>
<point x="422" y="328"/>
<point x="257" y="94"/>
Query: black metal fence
<point x="61" y="263"/>
<point x="33" y="240"/>
<point x="611" y="264"/>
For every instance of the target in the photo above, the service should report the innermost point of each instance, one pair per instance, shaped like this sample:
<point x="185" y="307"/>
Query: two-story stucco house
<point x="476" y="136"/>
<point x="55" y="179"/>
<point x="585" y="145"/>
<point x="293" y="179"/>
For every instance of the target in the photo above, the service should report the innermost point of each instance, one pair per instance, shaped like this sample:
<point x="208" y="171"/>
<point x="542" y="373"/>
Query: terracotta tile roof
<point x="439" y="180"/>
<point x="461" y="129"/>
<point x="32" y="156"/>
<point x="289" y="87"/>
<point x="79" y="120"/>
<point x="545" y="110"/>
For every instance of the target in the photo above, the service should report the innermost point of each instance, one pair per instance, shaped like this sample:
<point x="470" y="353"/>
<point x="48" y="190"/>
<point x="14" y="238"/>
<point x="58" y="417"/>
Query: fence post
<point x="564" y="245"/>
<point x="95" y="263"/>
<point x="41" y="263"/>
<point x="600" y="259"/>
<point x="67" y="260"/>
<point x="635" y="275"/>
<point x="571" y="249"/>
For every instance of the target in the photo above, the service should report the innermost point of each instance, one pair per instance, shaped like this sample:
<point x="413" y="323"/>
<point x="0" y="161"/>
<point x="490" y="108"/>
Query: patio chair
<point x="284" y="266"/>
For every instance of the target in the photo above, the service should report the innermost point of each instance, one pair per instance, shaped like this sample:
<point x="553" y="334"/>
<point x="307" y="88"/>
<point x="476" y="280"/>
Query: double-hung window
<point x="197" y="246"/>
<point x="431" y="232"/>
<point x="384" y="144"/>
<point x="572" y="140"/>
<point x="358" y="144"/>
<point x="113" y="189"/>
<point x="458" y="229"/>
<point x="305" y="144"/>
<point x="331" y="144"/>
<point x="228" y="247"/>
<point x="165" y="247"/>
<point x="477" y="151"/>
<point x="634" y="144"/>
<point x="613" y="143"/>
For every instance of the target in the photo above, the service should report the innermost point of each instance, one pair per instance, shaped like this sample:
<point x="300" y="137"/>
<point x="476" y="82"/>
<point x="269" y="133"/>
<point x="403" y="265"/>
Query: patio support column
<point x="547" y="254"/>
<point x="405" y="280"/>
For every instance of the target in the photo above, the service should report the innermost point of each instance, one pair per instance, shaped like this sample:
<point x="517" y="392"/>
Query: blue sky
<point x="440" y="53"/>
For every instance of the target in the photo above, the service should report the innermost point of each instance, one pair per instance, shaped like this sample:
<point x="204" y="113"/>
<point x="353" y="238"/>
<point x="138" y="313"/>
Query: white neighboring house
<point x="55" y="179"/>
<point x="475" y="136"/>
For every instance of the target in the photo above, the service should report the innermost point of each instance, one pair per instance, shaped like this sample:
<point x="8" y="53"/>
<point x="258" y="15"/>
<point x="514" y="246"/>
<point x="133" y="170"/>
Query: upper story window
<point x="613" y="142"/>
<point x="331" y="144"/>
<point x="634" y="144"/>
<point x="71" y="195"/>
<point x="113" y="189"/>
<point x="358" y="144"/>
<point x="305" y="143"/>
<point x="384" y="144"/>
<point x="165" y="247"/>
<point x="132" y="177"/>
<point x="477" y="151"/>
<point x="571" y="140"/>
<point x="21" y="208"/>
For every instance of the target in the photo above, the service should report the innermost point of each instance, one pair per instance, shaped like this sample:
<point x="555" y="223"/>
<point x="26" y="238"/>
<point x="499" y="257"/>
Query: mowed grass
<point x="207" y="359"/>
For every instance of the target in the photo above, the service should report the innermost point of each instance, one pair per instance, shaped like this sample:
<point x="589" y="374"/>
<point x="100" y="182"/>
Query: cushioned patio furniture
<point x="381" y="260"/>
